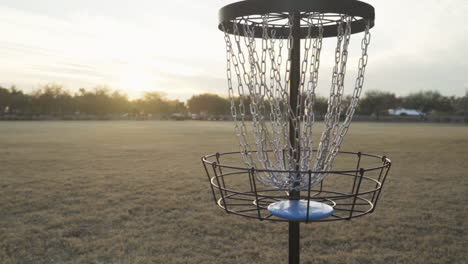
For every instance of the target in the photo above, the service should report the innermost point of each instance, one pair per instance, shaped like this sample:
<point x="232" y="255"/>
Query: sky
<point x="175" y="47"/>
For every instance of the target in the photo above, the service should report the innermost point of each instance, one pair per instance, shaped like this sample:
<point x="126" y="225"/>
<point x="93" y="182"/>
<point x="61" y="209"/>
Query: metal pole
<point x="294" y="78"/>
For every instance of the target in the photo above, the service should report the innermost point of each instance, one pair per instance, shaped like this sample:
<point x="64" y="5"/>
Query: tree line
<point x="54" y="100"/>
<point x="375" y="103"/>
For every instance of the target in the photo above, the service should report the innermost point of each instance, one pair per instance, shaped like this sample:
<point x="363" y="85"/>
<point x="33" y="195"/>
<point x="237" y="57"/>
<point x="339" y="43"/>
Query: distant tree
<point x="320" y="106"/>
<point x="157" y="103"/>
<point x="18" y="102"/>
<point x="178" y="107"/>
<point x="119" y="103"/>
<point x="96" y="102"/>
<point x="377" y="103"/>
<point x="427" y="101"/>
<point x="460" y="105"/>
<point x="4" y="100"/>
<point x="209" y="103"/>
<point x="53" y="99"/>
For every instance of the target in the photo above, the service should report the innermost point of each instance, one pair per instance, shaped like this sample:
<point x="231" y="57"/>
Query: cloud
<point x="176" y="46"/>
<point x="97" y="50"/>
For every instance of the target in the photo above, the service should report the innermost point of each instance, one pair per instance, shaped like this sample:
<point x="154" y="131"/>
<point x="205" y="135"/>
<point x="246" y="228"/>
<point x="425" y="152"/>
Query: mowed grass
<point x="136" y="192"/>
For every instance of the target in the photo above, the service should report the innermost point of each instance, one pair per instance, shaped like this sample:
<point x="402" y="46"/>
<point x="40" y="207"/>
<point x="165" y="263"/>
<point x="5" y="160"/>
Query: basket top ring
<point x="249" y="13"/>
<point x="216" y="162"/>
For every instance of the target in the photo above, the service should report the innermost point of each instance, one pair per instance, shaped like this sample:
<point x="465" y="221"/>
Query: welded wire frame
<point x="352" y="193"/>
<point x="239" y="14"/>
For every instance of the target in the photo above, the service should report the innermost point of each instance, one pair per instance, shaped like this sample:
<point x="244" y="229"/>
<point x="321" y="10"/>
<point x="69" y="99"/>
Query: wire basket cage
<point x="350" y="192"/>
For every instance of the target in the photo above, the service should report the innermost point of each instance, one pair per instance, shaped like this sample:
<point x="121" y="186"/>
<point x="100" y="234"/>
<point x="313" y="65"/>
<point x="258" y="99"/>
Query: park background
<point x="53" y="102"/>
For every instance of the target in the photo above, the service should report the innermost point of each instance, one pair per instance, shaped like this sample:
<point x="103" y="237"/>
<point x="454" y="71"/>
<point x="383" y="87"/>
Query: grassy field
<point x="135" y="192"/>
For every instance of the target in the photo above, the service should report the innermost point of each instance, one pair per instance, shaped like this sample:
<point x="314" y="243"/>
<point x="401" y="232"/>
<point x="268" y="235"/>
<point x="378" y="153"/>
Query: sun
<point x="137" y="80"/>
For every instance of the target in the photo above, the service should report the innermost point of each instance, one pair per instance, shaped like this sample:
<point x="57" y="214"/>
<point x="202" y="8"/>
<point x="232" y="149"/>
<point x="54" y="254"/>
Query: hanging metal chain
<point x="261" y="135"/>
<point x="299" y="98"/>
<point x="308" y="117"/>
<point x="276" y="116"/>
<point x="240" y="128"/>
<point x="339" y="86"/>
<point x="330" y="117"/>
<point x="258" y="67"/>
<point x="354" y="99"/>
<point x="281" y="93"/>
<point x="292" y="150"/>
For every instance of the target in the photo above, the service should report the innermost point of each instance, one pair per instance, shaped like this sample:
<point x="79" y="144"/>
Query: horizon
<point x="129" y="49"/>
<point x="164" y="95"/>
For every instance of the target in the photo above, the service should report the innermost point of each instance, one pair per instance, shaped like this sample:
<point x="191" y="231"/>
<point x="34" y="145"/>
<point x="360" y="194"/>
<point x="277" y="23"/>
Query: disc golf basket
<point x="285" y="170"/>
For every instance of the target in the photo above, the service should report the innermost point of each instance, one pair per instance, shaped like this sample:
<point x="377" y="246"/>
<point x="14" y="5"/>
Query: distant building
<point x="404" y="112"/>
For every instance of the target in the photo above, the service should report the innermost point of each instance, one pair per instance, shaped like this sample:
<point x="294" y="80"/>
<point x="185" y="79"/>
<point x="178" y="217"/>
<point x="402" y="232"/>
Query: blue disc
<point x="296" y="210"/>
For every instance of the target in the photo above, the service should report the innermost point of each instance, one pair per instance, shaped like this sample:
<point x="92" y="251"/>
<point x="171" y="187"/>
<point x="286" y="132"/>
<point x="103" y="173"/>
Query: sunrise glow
<point x="176" y="47"/>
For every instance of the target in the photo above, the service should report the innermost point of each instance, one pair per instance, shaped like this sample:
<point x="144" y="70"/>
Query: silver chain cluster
<point x="258" y="66"/>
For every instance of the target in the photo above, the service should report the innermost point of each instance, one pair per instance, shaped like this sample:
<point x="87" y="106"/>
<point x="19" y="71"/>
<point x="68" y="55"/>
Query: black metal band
<point x="229" y="15"/>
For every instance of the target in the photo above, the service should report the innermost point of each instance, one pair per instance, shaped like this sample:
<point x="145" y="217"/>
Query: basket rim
<point x="386" y="163"/>
<point x="229" y="13"/>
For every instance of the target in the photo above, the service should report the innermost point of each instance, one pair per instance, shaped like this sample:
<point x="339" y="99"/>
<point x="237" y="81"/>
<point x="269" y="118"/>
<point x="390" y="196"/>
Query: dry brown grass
<point x="135" y="192"/>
